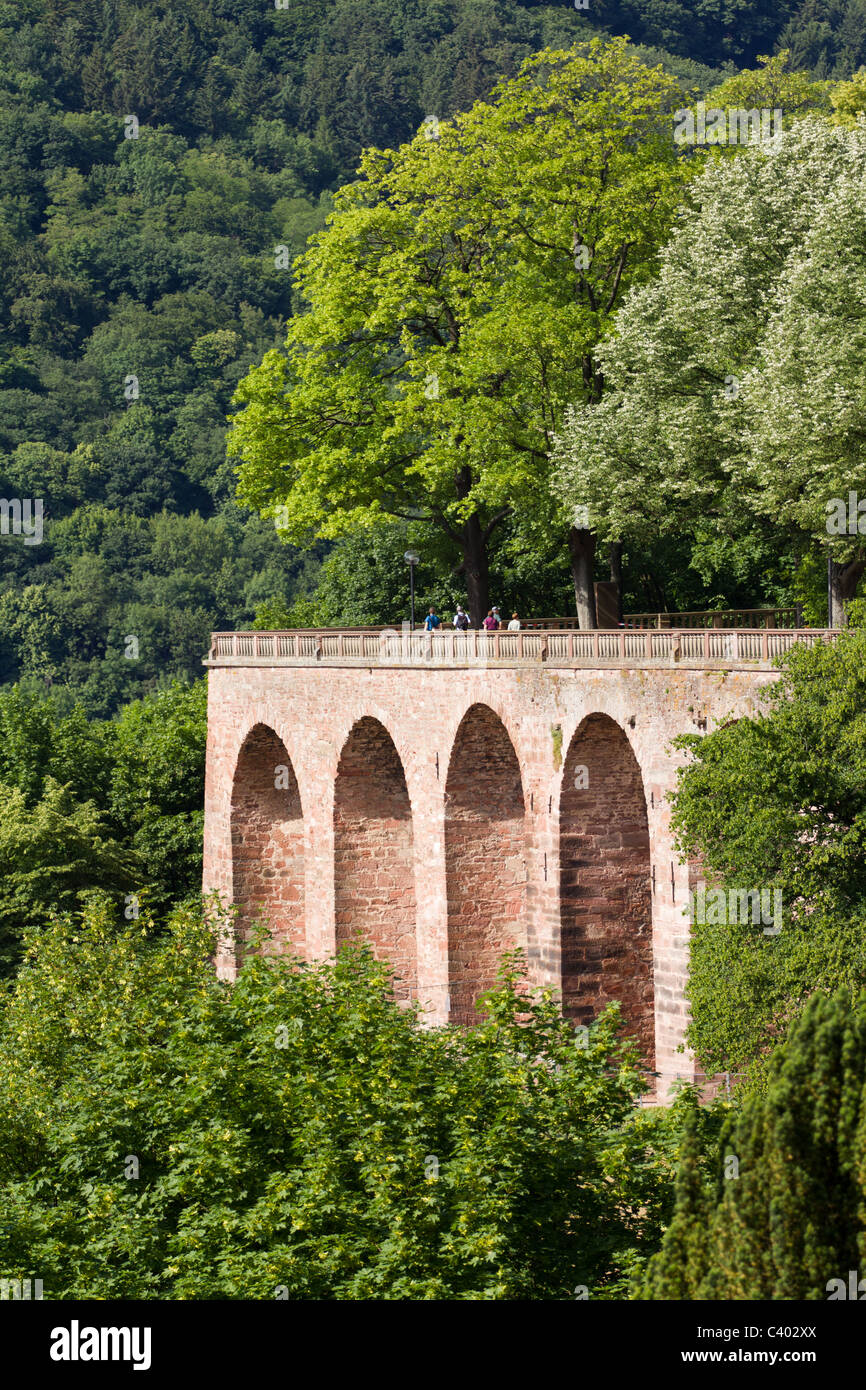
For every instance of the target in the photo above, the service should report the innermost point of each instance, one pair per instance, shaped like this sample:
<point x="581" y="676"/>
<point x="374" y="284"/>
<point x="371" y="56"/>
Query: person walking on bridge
<point x="432" y="621"/>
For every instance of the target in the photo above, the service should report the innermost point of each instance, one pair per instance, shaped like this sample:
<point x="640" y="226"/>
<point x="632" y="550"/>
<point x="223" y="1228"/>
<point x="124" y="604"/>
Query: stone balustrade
<point x="713" y="648"/>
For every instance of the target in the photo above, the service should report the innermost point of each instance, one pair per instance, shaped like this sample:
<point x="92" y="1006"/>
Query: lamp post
<point x="411" y="560"/>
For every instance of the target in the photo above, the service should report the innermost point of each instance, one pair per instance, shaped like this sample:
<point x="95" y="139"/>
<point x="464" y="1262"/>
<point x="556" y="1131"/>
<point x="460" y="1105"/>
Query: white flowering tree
<point x="716" y="412"/>
<point x="805" y="399"/>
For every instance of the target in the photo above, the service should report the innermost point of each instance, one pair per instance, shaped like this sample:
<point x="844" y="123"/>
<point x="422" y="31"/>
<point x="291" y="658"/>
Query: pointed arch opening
<point x="485" y="858"/>
<point x="267" y="826"/>
<point x="605" y="882"/>
<point x="374" y="852"/>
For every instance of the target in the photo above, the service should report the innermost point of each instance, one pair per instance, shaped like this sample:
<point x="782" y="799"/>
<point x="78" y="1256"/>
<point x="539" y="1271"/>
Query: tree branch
<point x="491" y="525"/>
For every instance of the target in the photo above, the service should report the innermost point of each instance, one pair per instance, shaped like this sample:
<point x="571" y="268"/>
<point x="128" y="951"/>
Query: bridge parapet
<point x="690" y="648"/>
<point x="447" y="795"/>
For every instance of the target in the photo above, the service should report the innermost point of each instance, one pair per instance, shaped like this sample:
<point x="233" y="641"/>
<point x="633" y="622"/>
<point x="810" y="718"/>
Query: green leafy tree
<point x="849" y="99"/>
<point x="773" y="85"/>
<point x="455" y="301"/>
<point x="92" y="804"/>
<point x="52" y="856"/>
<point x="51" y="737"/>
<point x="299" y="1132"/>
<point x="157" y="787"/>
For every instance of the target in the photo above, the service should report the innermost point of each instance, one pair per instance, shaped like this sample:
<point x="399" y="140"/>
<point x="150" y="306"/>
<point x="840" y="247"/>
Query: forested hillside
<point x="826" y="36"/>
<point x="147" y="266"/>
<point x="160" y="168"/>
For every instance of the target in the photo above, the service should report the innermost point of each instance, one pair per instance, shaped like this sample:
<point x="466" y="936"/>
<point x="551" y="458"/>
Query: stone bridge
<point x="452" y="795"/>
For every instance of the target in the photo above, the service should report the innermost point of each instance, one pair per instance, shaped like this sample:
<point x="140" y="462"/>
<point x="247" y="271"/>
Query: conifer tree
<point x="786" y="1219"/>
<point x="682" y="1268"/>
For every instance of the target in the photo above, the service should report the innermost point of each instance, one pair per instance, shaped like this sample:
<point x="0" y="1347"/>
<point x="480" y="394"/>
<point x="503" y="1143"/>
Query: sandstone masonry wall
<point x="267" y="831"/>
<point x="580" y="882"/>
<point x="605" y="882"/>
<point x="374" y="865"/>
<point x="485" y="858"/>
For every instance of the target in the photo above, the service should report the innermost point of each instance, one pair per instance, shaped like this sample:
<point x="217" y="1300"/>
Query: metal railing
<point x="449" y="648"/>
<point x="773" y="618"/>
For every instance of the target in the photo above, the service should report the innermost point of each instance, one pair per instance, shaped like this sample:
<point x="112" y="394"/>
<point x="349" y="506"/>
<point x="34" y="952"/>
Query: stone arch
<point x="267" y="831"/>
<point x="374" y="853"/>
<point x="605" y="882"/>
<point x="485" y="857"/>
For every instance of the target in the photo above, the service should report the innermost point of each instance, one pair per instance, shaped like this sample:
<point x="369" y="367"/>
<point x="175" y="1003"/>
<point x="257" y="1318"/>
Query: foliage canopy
<point x="298" y="1130"/>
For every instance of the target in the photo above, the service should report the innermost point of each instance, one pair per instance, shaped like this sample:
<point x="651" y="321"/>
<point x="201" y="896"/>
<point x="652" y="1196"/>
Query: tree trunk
<point x="581" y="546"/>
<point x="473" y="545"/>
<point x="842" y="581"/>
<point x="475" y="569"/>
<point x="616" y="575"/>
